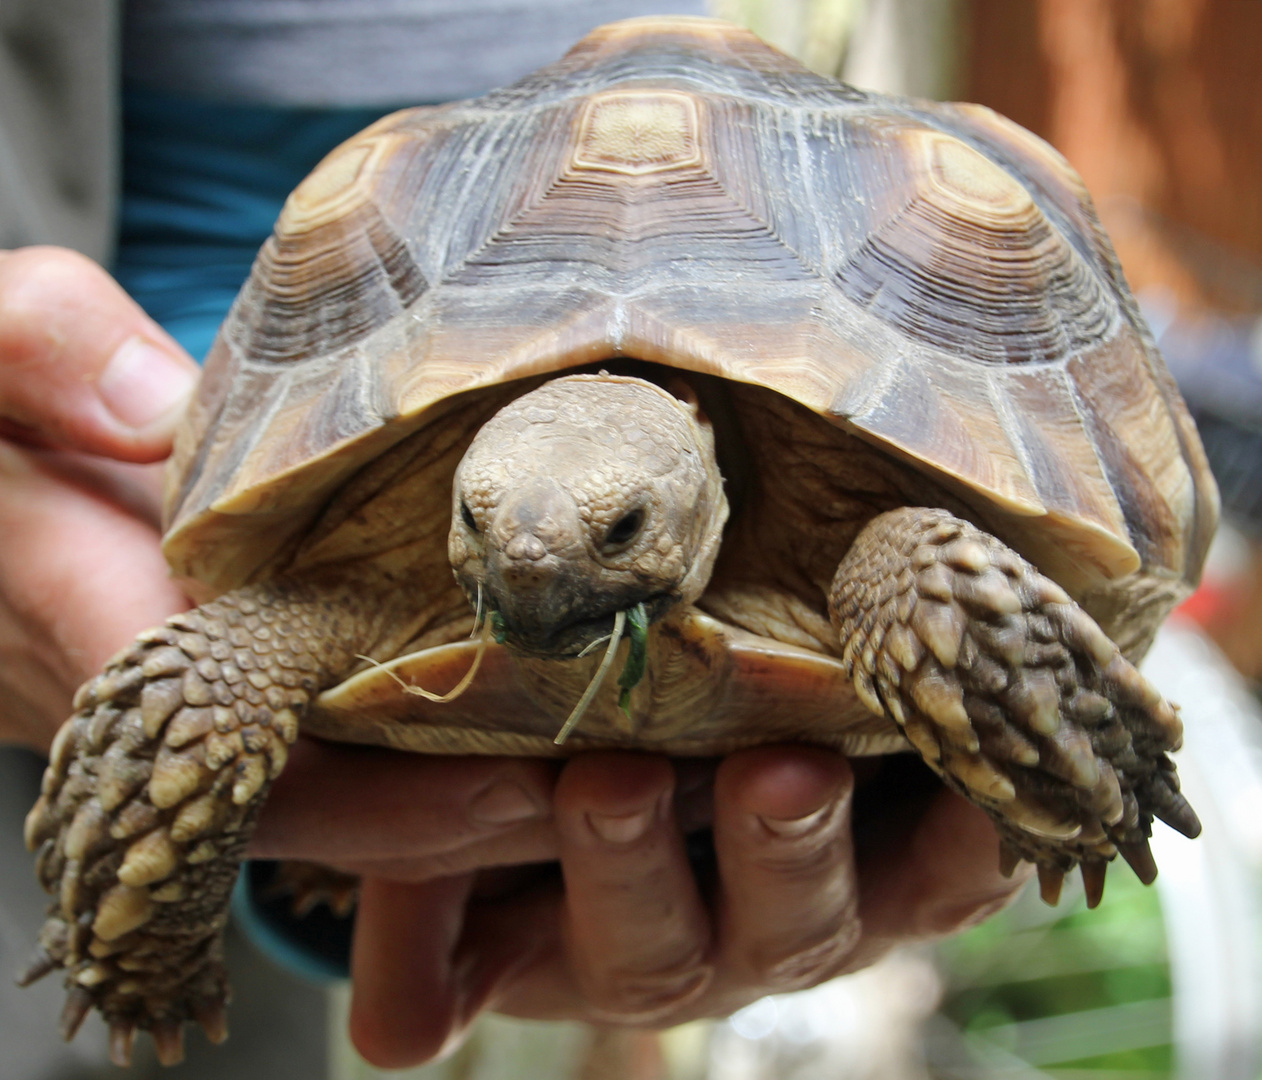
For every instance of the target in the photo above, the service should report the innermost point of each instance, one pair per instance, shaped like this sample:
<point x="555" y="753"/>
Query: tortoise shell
<point x="929" y="277"/>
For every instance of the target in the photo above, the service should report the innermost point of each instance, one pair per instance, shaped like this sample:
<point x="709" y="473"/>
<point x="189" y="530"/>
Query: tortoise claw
<point x="41" y="964"/>
<point x="168" y="1040"/>
<point x="1093" y="873"/>
<point x="1050" y="881"/>
<point x="78" y="1002"/>
<point x="122" y="1038"/>
<point x="213" y="1018"/>
<point x="1179" y="815"/>
<point x="1009" y="859"/>
<point x="1139" y="856"/>
<point x="310" y="885"/>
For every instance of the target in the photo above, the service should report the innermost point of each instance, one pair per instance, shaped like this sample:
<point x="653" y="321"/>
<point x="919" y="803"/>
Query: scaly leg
<point x="1011" y="693"/>
<point x="150" y="798"/>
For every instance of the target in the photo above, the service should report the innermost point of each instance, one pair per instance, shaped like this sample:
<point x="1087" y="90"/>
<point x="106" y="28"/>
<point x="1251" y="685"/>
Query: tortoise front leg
<point x="151" y="795"/>
<point x="1011" y="693"/>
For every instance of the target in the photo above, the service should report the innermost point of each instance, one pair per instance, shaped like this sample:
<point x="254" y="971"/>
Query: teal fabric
<point x="202" y="185"/>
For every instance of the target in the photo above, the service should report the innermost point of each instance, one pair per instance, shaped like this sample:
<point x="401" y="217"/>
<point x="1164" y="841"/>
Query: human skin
<point x="90" y="392"/>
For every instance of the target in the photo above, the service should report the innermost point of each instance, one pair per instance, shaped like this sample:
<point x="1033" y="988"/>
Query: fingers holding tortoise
<point x="637" y="935"/>
<point x="81" y="366"/>
<point x="83" y="369"/>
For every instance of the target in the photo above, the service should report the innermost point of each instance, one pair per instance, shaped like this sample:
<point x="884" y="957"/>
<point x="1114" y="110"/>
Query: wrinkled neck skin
<point x="581" y="499"/>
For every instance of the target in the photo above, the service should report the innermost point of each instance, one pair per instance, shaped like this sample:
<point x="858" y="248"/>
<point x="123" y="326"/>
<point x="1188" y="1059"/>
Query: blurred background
<point x="1158" y="104"/>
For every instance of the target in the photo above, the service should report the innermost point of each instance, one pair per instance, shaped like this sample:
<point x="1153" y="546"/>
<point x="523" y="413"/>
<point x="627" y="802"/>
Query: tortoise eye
<point x="625" y="530"/>
<point x="466" y="515"/>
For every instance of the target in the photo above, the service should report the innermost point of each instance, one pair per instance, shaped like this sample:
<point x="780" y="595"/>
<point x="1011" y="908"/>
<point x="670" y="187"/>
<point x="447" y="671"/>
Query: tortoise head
<point x="581" y="499"/>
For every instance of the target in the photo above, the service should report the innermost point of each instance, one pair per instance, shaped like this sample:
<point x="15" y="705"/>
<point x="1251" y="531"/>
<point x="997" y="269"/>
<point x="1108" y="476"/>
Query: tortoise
<point x="834" y="407"/>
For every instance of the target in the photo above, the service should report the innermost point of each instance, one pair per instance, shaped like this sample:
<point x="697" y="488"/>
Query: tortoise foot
<point x="1011" y="693"/>
<point x="147" y="806"/>
<point x="151" y="1004"/>
<point x="310" y="884"/>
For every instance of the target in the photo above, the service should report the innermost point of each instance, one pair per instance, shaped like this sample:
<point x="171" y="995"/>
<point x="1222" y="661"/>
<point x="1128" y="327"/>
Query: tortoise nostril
<point x="525" y="547"/>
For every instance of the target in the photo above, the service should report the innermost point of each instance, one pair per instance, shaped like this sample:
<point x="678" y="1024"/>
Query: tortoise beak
<point x="562" y="619"/>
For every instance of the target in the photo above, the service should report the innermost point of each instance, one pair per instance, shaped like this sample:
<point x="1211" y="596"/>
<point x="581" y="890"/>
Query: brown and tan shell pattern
<point x="930" y="277"/>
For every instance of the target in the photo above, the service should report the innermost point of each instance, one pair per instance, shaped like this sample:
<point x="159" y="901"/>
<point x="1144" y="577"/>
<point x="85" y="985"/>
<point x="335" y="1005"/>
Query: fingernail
<point x="796" y="826"/>
<point x="504" y="803"/>
<point x="142" y="384"/>
<point x="623" y="828"/>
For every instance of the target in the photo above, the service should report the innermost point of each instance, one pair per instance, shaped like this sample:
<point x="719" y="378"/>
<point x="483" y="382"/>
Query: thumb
<point x="81" y="365"/>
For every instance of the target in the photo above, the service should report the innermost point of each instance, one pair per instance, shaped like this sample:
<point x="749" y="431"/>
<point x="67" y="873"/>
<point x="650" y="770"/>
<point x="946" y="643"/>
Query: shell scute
<point x="635" y="132"/>
<point x="1130" y="426"/>
<point x="588" y="221"/>
<point x="1061" y="192"/>
<point x="916" y="413"/>
<point x="958" y="255"/>
<point x="335" y="268"/>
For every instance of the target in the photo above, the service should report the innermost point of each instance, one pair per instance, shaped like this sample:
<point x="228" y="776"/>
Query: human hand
<point x="628" y="935"/>
<point x="90" y="391"/>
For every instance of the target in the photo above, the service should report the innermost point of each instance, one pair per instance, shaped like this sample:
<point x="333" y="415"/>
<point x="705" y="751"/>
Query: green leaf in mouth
<point x="637" y="655"/>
